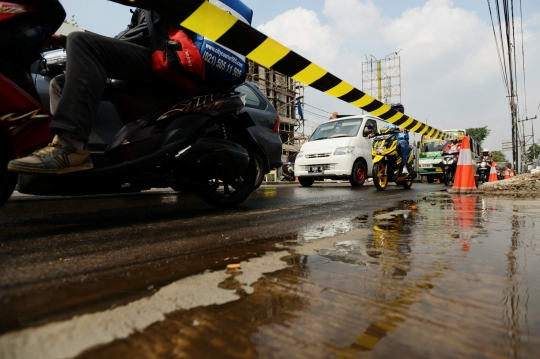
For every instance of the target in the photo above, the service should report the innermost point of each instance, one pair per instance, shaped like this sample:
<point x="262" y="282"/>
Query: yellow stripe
<point x="418" y="124"/>
<point x="341" y="89"/>
<point x="268" y="53"/>
<point x="364" y="101"/>
<point x="407" y="123"/>
<point x="383" y="109"/>
<point x="394" y="118"/>
<point x="210" y="21"/>
<point x="431" y="132"/>
<point x="310" y="74"/>
<point x="424" y="130"/>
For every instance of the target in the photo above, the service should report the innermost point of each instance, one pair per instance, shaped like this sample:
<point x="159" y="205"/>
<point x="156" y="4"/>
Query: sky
<point x="450" y="69"/>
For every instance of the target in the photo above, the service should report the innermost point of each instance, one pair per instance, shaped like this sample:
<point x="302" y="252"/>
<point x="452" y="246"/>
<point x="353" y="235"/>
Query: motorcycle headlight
<point x="343" y="151"/>
<point x="451" y="161"/>
<point x="483" y="164"/>
<point x="380" y="150"/>
<point x="445" y="162"/>
<point x="300" y="154"/>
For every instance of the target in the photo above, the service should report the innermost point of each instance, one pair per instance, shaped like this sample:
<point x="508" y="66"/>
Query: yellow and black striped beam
<point x="208" y="20"/>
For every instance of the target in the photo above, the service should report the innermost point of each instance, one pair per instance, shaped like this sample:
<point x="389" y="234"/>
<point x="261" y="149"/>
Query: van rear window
<point x="339" y="128"/>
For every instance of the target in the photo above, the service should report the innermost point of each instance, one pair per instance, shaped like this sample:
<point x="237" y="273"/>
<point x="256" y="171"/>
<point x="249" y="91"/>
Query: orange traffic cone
<point x="506" y="173"/>
<point x="493" y="173"/>
<point x="511" y="173"/>
<point x="464" y="178"/>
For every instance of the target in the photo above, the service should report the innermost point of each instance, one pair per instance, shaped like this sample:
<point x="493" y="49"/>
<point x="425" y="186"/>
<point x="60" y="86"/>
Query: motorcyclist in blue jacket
<point x="402" y="137"/>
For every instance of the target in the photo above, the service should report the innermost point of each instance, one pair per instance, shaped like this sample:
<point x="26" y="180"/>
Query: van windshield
<point x="339" y="128"/>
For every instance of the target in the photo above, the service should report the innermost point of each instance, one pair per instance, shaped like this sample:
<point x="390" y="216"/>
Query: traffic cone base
<point x="464" y="178"/>
<point x="493" y="173"/>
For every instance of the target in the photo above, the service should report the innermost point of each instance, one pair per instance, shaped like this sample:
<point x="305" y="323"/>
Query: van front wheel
<point x="306" y="181"/>
<point x="358" y="175"/>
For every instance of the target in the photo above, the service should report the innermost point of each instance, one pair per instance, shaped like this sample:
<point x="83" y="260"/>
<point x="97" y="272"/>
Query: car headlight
<point x="343" y="151"/>
<point x="300" y="154"/>
<point x="380" y="150"/>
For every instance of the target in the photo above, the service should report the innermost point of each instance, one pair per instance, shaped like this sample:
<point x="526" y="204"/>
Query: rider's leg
<point x="92" y="59"/>
<point x="404" y="153"/>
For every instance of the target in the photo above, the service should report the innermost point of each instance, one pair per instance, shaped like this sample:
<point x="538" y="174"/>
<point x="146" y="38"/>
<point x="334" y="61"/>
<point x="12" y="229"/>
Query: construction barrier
<point x="464" y="178"/>
<point x="208" y="20"/>
<point x="493" y="173"/>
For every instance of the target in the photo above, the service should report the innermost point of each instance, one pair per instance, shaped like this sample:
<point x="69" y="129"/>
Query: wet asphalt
<point x="327" y="271"/>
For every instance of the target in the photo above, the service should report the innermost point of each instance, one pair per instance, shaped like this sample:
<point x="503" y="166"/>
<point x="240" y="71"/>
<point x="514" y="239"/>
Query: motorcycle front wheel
<point x="448" y="177"/>
<point x="380" y="179"/>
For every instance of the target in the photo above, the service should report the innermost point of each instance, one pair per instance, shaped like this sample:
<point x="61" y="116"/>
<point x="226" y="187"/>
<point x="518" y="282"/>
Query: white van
<point x="338" y="149"/>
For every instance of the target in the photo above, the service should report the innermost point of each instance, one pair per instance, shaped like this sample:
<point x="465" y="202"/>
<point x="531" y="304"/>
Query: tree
<point x="72" y="21"/>
<point x="498" y="156"/>
<point x="479" y="133"/>
<point x="531" y="152"/>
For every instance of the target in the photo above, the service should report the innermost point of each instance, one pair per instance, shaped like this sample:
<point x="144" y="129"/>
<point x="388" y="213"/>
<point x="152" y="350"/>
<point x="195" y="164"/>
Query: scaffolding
<point x="283" y="92"/>
<point x="381" y="79"/>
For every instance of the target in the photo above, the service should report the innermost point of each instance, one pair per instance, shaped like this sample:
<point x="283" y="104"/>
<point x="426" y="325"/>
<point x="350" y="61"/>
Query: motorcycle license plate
<point x="438" y="169"/>
<point x="315" y="168"/>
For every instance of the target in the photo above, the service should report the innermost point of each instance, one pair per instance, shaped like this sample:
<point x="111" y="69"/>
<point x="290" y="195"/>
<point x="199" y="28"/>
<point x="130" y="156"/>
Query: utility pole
<point x="524" y="143"/>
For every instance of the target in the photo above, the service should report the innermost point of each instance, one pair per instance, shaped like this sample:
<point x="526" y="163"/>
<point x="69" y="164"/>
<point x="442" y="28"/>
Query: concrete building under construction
<point x="283" y="92"/>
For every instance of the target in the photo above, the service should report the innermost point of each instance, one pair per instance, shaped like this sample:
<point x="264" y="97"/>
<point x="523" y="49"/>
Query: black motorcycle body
<point x="449" y="166"/>
<point x="483" y="171"/>
<point x="202" y="141"/>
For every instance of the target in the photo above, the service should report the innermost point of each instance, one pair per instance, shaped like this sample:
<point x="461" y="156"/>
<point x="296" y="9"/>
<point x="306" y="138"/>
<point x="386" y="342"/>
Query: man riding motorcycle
<point x="75" y="97"/>
<point x="486" y="157"/>
<point x="403" y="139"/>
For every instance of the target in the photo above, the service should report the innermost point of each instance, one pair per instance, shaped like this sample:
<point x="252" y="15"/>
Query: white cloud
<point x="450" y="68"/>
<point x="301" y="30"/>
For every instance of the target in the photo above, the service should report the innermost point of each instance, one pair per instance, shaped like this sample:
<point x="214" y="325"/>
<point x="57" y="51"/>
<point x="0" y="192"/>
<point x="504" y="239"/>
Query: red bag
<point x="174" y="56"/>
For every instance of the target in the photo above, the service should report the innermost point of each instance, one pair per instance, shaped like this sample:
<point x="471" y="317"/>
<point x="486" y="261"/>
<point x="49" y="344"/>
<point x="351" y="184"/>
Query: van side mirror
<point x="367" y="129"/>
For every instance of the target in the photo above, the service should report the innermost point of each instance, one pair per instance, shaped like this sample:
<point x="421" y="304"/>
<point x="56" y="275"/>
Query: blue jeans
<point x="403" y="150"/>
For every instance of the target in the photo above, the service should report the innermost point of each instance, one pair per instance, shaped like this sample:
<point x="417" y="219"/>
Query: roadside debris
<point x="233" y="266"/>
<point x="526" y="184"/>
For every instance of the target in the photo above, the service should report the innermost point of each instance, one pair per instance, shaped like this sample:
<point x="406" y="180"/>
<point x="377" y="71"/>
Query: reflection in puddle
<point x="460" y="278"/>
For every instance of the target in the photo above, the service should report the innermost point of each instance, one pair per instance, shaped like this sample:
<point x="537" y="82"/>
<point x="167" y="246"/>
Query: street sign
<point x="507" y="145"/>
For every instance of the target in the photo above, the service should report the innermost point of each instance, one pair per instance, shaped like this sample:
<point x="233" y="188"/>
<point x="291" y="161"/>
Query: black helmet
<point x="398" y="107"/>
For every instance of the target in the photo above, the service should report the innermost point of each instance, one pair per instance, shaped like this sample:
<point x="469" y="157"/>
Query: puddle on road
<point x="458" y="276"/>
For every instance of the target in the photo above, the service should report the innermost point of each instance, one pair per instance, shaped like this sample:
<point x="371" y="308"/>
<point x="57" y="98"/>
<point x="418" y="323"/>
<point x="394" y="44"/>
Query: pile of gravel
<point x="524" y="184"/>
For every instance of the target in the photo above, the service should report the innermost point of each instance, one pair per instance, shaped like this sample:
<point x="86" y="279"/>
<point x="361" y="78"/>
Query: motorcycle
<point x="483" y="171"/>
<point x="387" y="163"/>
<point x="288" y="175"/>
<point x="449" y="166"/>
<point x="201" y="142"/>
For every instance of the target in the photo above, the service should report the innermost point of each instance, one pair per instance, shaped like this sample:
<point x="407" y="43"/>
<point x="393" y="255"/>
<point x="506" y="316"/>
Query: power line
<point x="306" y="104"/>
<point x="502" y="68"/>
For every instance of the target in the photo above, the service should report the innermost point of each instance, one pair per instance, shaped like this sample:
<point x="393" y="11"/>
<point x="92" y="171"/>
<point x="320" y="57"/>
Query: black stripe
<point x="291" y="64"/>
<point x="241" y="38"/>
<point x="373" y="106"/>
<point x="388" y="114"/>
<point x="401" y="120"/>
<point x="437" y="134"/>
<point x="421" y="128"/>
<point x="413" y="124"/>
<point x="326" y="82"/>
<point x="352" y="96"/>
